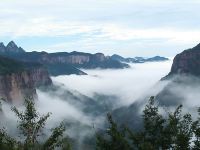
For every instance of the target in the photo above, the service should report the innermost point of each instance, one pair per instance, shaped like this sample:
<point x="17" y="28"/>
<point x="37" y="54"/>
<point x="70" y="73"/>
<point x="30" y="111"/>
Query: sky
<point x="125" y="27"/>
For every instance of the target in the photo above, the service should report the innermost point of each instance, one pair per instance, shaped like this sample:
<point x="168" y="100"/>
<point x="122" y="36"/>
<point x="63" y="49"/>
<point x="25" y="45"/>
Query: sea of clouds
<point x="128" y="85"/>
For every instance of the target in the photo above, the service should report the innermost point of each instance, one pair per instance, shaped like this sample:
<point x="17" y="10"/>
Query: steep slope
<point x="183" y="78"/>
<point x="19" y="80"/>
<point x="187" y="62"/>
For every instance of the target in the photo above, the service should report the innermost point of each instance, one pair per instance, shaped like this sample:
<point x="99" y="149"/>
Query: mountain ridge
<point x="55" y="61"/>
<point x="138" y="59"/>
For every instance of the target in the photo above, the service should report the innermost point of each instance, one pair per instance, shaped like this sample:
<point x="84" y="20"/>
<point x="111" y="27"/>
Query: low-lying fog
<point x="128" y="84"/>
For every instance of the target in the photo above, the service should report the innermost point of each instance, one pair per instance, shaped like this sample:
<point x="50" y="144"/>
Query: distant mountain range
<point x="22" y="72"/>
<point x="64" y="63"/>
<point x="138" y="59"/>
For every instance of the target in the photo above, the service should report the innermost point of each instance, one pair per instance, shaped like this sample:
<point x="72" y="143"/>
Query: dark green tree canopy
<point x="176" y="132"/>
<point x="31" y="125"/>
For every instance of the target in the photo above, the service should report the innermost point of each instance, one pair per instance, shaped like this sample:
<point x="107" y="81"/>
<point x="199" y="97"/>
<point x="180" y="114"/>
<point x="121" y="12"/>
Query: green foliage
<point x="56" y="140"/>
<point x="180" y="129"/>
<point x="196" y="131"/>
<point x="31" y="125"/>
<point x="116" y="139"/>
<point x="153" y="125"/>
<point x="0" y="106"/>
<point x="7" y="142"/>
<point x="174" y="131"/>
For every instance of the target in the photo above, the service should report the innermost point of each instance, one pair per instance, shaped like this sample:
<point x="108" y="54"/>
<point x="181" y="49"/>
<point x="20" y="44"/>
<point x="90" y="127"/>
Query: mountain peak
<point x="11" y="43"/>
<point x="2" y="47"/>
<point x="1" y="44"/>
<point x="197" y="47"/>
<point x="13" y="48"/>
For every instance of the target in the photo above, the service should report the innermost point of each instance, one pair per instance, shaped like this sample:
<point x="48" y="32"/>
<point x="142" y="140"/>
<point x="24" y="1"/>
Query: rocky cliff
<point x="187" y="62"/>
<point x="20" y="80"/>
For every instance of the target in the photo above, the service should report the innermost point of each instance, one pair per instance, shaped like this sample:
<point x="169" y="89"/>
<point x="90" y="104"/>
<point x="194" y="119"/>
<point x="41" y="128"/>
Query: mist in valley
<point x="127" y="84"/>
<point x="82" y="102"/>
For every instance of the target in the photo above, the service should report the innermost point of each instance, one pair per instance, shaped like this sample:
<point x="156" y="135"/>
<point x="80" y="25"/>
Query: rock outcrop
<point x="19" y="80"/>
<point x="187" y="63"/>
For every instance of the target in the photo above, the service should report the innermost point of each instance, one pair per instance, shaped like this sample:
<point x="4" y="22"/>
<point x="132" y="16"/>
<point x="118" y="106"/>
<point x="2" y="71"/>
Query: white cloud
<point x="103" y="24"/>
<point x="121" y="33"/>
<point x="127" y="84"/>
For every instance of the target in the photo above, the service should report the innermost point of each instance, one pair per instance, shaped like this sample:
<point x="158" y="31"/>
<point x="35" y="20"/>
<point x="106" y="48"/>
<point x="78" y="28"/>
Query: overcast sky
<point x="126" y="27"/>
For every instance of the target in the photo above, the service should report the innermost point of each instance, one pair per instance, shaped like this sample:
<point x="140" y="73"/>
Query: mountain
<point x="184" y="75"/>
<point x="156" y="58"/>
<point x="187" y="62"/>
<point x="138" y="59"/>
<point x="19" y="80"/>
<point x="62" y="62"/>
<point x="10" y="48"/>
<point x="182" y="85"/>
<point x="118" y="57"/>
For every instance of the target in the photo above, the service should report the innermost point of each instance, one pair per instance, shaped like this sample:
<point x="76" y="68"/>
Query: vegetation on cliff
<point x="8" y="66"/>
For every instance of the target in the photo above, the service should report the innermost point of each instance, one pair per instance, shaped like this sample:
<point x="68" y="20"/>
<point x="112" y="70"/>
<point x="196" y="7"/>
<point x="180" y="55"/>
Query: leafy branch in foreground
<point x="116" y="139"/>
<point x="31" y="125"/>
<point x="175" y="131"/>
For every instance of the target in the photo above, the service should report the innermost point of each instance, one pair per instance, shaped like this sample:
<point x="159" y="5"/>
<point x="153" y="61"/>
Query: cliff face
<point x="39" y="77"/>
<point x="19" y="80"/>
<point x="187" y="62"/>
<point x="15" y="87"/>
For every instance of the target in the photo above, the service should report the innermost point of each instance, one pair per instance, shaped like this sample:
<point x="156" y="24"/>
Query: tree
<point x="116" y="139"/>
<point x="0" y="107"/>
<point x="174" y="131"/>
<point x="31" y="125"/>
<point x="196" y="131"/>
<point x="7" y="142"/>
<point x="153" y="125"/>
<point x="179" y="129"/>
